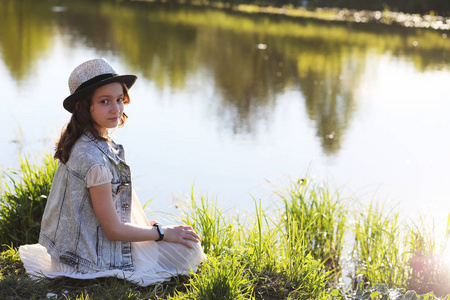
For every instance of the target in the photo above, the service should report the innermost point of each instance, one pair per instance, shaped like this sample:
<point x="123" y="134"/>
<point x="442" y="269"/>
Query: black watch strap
<point x="160" y="230"/>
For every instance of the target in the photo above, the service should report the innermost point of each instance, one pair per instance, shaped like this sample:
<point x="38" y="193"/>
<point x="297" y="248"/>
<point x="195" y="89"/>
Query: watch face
<point x="160" y="229"/>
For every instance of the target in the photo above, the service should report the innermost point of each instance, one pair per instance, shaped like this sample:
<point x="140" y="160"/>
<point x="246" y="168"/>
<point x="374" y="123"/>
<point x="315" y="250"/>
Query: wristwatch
<point x="160" y="230"/>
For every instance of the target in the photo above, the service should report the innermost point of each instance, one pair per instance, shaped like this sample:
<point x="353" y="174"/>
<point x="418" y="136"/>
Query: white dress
<point x="155" y="262"/>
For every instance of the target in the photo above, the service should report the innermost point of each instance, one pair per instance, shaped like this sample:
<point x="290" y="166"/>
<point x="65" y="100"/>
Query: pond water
<point x="236" y="104"/>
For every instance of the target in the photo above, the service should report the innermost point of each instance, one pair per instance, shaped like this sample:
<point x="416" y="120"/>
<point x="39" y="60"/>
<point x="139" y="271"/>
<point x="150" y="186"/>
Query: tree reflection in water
<point x="168" y="44"/>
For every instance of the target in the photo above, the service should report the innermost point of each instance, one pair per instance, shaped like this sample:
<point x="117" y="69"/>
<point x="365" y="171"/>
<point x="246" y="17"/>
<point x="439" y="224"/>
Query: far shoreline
<point x="434" y="22"/>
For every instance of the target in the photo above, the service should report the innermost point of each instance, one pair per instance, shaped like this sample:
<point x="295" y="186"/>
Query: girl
<point x="93" y="224"/>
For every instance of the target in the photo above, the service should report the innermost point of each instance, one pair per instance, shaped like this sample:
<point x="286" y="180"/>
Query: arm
<point x="116" y="230"/>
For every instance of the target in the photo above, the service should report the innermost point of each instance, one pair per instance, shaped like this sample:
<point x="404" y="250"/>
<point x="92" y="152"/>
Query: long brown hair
<point x="81" y="121"/>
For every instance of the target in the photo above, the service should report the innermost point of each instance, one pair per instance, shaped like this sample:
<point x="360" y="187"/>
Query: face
<point x="107" y="106"/>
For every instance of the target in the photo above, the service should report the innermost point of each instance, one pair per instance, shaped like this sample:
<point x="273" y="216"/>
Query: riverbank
<point x="15" y="284"/>
<point x="356" y="16"/>
<point x="317" y="246"/>
<point x="386" y="17"/>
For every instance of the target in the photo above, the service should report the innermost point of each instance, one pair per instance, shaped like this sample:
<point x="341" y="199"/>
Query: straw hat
<point x="90" y="75"/>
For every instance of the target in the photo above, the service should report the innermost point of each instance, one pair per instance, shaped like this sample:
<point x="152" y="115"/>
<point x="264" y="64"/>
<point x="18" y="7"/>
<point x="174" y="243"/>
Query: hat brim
<point x="70" y="102"/>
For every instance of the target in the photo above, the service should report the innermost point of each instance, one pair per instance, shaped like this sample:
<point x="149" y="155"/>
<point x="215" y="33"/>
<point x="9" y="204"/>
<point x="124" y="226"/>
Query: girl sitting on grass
<point x="93" y="224"/>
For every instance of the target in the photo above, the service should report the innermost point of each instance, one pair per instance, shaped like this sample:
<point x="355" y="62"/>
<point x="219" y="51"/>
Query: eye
<point x="104" y="101"/>
<point x="120" y="100"/>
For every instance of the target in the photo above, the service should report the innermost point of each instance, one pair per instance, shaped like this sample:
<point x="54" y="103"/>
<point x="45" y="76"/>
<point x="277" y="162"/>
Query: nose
<point x="116" y="107"/>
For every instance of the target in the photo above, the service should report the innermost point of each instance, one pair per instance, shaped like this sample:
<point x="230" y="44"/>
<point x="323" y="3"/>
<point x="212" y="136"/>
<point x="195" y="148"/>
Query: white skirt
<point x="154" y="262"/>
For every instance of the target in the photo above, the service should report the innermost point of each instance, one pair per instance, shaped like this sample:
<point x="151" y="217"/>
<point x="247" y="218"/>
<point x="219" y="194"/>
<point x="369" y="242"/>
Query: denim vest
<point x="70" y="229"/>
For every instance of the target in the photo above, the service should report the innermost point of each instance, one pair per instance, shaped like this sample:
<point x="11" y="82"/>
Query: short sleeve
<point x="98" y="175"/>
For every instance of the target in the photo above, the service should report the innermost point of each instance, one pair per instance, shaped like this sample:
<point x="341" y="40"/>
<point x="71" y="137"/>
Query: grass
<point x="23" y="200"/>
<point x="223" y="277"/>
<point x="428" y="258"/>
<point x="218" y="233"/>
<point x="320" y="217"/>
<point x="378" y="247"/>
<point x="294" y="255"/>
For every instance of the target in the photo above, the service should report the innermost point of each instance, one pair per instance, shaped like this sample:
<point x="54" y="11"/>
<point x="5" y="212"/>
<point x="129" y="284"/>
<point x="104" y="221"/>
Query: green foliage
<point x="23" y="201"/>
<point x="294" y="255"/>
<point x="307" y="274"/>
<point x="261" y="243"/>
<point x="209" y="220"/>
<point x="220" y="278"/>
<point x="318" y="218"/>
<point x="378" y="249"/>
<point x="428" y="259"/>
<point x="10" y="263"/>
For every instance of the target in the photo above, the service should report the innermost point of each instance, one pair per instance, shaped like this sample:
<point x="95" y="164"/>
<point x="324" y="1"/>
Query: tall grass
<point x="261" y="246"/>
<point x="378" y="248"/>
<point x="306" y="274"/>
<point x="294" y="254"/>
<point x="218" y="234"/>
<point x="429" y="258"/>
<point x="261" y="241"/>
<point x="321" y="218"/>
<point x="404" y="254"/>
<point x="23" y="201"/>
<point x="223" y="277"/>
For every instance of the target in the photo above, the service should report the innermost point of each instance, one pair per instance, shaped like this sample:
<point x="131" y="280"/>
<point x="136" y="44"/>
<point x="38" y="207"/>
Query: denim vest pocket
<point x="69" y="260"/>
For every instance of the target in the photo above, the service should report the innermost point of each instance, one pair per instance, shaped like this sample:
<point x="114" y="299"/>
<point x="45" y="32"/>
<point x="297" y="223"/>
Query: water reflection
<point x="168" y="44"/>
<point x="25" y="35"/>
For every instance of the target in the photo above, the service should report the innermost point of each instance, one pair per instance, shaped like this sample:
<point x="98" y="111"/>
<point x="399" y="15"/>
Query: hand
<point x="153" y="222"/>
<point x="180" y="234"/>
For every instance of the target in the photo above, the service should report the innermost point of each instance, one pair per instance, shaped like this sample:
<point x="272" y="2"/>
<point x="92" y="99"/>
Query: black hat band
<point x="95" y="80"/>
